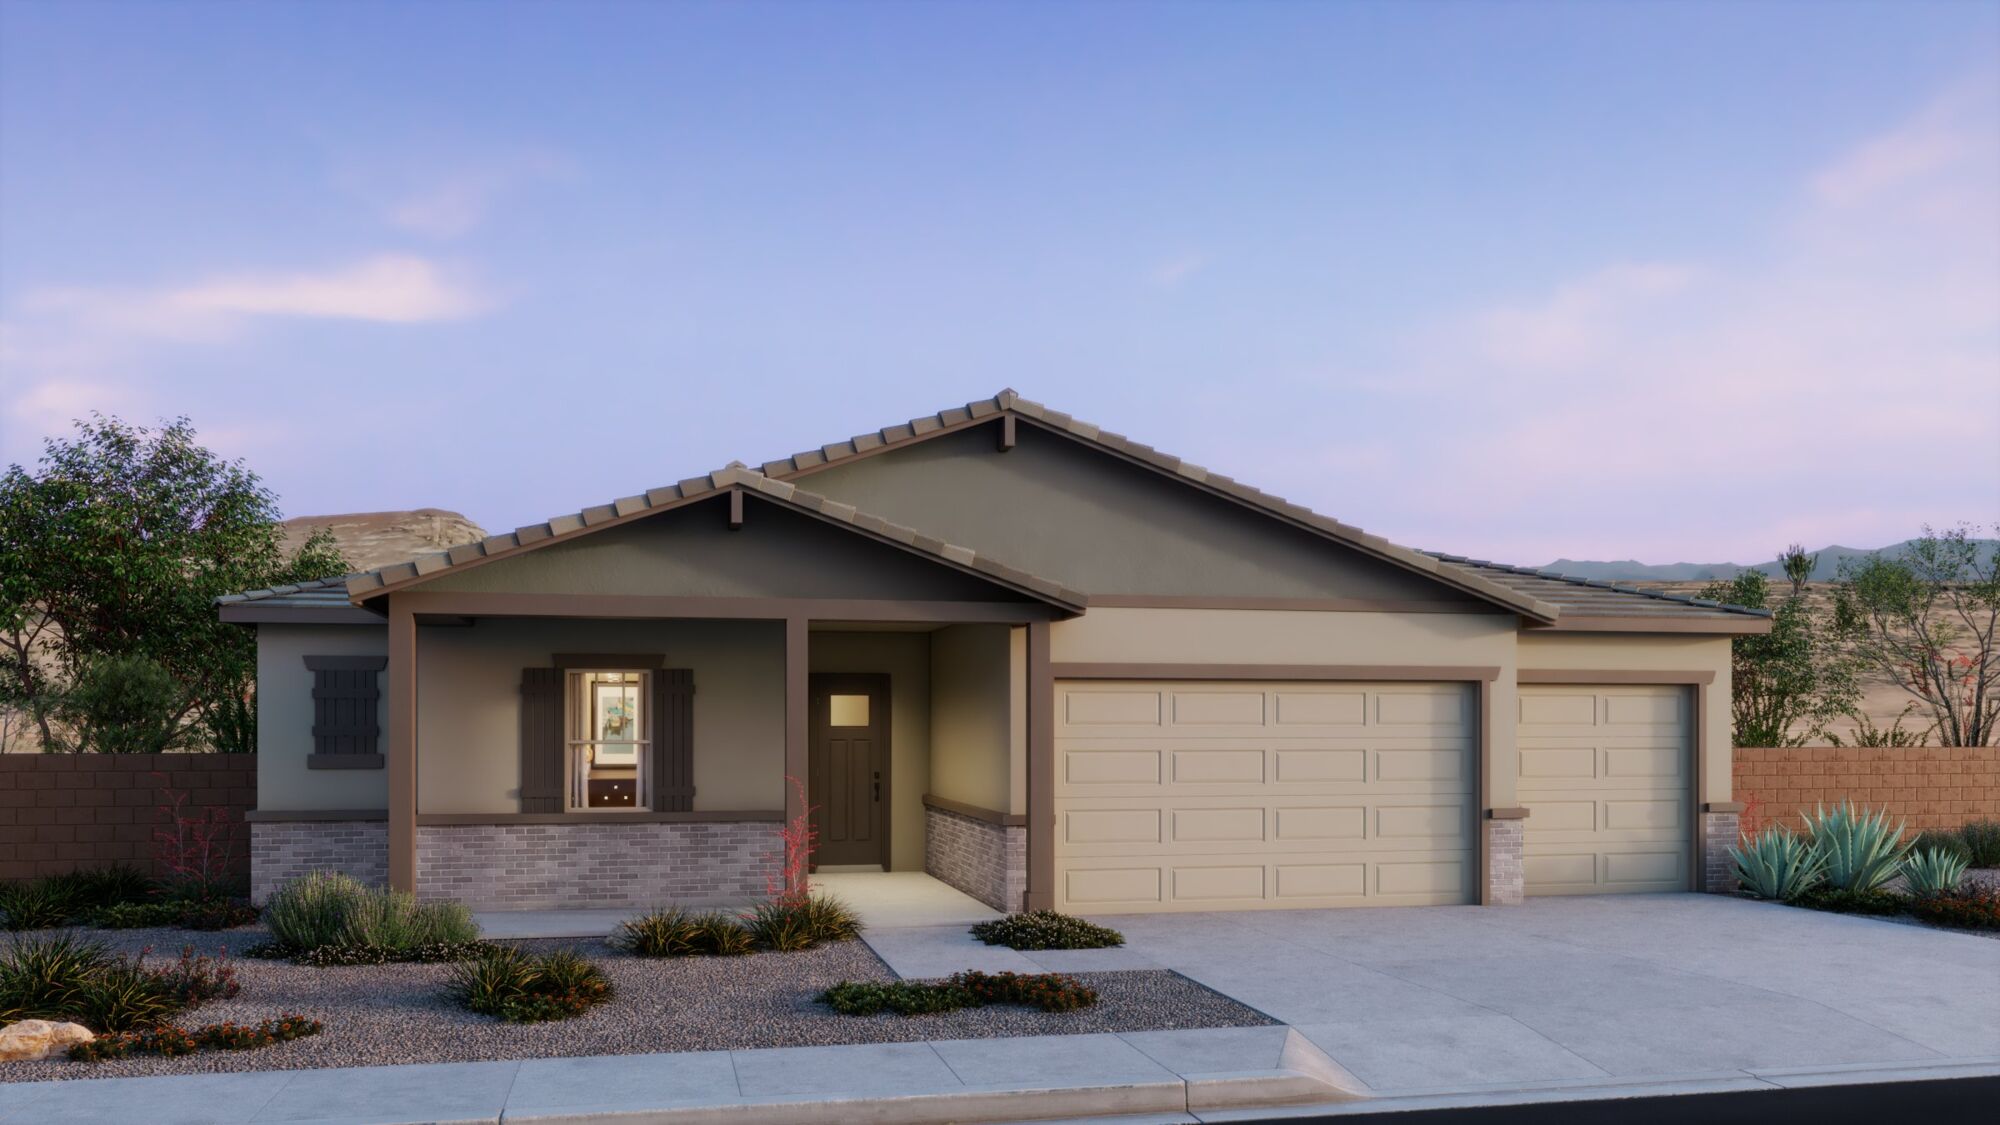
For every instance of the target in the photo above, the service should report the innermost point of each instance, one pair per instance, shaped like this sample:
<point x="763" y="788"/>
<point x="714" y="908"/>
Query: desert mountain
<point x="1629" y="570"/>
<point x="372" y="539"/>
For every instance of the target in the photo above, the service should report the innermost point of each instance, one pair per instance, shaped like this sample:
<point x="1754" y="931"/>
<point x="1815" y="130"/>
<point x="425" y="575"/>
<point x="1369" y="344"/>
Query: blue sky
<point x="1667" y="281"/>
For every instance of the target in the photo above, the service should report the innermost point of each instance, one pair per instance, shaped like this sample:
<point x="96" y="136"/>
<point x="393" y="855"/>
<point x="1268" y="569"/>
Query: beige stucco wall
<point x="1063" y="511"/>
<point x="691" y="552"/>
<point x="285" y="720"/>
<point x="974" y="730"/>
<point x="905" y="657"/>
<point x="1653" y="653"/>
<point x="468" y="705"/>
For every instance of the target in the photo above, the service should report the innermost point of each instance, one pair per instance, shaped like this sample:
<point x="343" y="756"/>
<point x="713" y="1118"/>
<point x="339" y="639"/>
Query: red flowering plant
<point x="798" y="839"/>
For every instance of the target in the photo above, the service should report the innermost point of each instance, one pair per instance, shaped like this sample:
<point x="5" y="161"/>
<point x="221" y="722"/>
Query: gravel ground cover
<point x="384" y="1014"/>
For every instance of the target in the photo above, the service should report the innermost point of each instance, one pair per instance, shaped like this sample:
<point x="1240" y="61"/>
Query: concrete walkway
<point x="1168" y="1073"/>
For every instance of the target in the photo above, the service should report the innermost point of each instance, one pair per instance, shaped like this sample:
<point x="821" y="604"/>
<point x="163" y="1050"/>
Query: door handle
<point x="878" y="785"/>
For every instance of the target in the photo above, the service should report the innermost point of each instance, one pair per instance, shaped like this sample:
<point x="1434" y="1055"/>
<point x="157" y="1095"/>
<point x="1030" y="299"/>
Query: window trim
<point x="573" y="683"/>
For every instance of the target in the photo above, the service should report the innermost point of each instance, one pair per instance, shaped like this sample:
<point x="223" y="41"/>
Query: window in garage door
<point x="1235" y="796"/>
<point x="1607" y="778"/>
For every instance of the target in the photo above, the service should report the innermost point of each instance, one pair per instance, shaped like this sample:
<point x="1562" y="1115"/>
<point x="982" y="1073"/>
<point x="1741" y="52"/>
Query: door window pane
<point x="849" y="710"/>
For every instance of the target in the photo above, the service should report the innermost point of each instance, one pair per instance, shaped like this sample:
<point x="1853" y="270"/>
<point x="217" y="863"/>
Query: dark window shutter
<point x="541" y="740"/>
<point x="345" y="693"/>
<point x="673" y="740"/>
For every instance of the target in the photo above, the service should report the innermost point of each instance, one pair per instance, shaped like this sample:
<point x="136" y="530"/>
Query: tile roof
<point x="1009" y="401"/>
<point x="330" y="592"/>
<point x="735" y="476"/>
<point x="1589" y="597"/>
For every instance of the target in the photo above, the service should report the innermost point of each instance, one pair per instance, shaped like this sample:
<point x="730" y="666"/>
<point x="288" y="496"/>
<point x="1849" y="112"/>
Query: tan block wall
<point x="1929" y="786"/>
<point x="67" y="812"/>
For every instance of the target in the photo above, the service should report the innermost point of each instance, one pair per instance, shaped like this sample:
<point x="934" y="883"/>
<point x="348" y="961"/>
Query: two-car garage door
<point x="1233" y="796"/>
<point x="1606" y="777"/>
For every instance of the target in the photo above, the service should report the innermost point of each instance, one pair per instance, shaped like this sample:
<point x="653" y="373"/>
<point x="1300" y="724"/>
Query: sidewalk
<point x="1169" y="1073"/>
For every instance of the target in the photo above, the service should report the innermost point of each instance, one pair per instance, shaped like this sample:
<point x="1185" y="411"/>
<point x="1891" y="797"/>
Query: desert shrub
<point x="133" y="915"/>
<point x="326" y="910"/>
<point x="790" y="923"/>
<point x="1982" y="840"/>
<point x="673" y="932"/>
<point x="197" y="978"/>
<point x="34" y="904"/>
<point x="1046" y="929"/>
<point x="1050" y="992"/>
<point x="1839" y="901"/>
<point x="171" y="1041"/>
<point x="39" y="976"/>
<point x="223" y="914"/>
<point x="722" y="935"/>
<point x="1975" y="908"/>
<point x="122" y="995"/>
<point x="116" y="885"/>
<point x="520" y="987"/>
<point x="1861" y="851"/>
<point x="1933" y="871"/>
<point x="1777" y="865"/>
<point x="1941" y="839"/>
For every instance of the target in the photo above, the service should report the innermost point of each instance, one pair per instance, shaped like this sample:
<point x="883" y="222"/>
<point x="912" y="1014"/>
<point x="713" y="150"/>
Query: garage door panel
<point x="1249" y="795"/>
<point x="1610" y="805"/>
<point x="1206" y="767"/>
<point x="1215" y="708"/>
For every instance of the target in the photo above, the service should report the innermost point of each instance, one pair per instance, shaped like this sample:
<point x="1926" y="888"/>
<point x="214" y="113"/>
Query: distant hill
<point x="372" y="539"/>
<point x="1630" y="570"/>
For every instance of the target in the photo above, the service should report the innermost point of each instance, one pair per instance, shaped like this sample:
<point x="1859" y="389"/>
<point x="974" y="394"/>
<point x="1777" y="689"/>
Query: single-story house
<point x="1047" y="664"/>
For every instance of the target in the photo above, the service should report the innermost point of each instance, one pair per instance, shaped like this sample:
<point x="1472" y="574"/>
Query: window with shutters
<point x="609" y="753"/>
<point x="346" y="691"/>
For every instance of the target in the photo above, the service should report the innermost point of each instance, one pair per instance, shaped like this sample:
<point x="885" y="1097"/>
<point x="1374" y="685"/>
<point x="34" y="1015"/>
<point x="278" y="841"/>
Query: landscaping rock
<point x="34" y="1040"/>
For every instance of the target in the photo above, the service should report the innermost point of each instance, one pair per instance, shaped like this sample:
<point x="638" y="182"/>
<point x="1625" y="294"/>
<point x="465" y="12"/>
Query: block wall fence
<point x="1927" y="786"/>
<point x="62" y="812"/>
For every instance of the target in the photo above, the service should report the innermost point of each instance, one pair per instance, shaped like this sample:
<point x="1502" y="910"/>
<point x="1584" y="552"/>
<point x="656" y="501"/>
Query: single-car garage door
<point x="1607" y="778"/>
<point x="1236" y="796"/>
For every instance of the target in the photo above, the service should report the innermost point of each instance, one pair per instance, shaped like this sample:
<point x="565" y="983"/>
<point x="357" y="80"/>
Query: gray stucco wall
<point x="285" y="719"/>
<point x="468" y="705"/>
<point x="906" y="658"/>
<point x="972" y="735"/>
<point x="691" y="552"/>
<point x="1057" y="509"/>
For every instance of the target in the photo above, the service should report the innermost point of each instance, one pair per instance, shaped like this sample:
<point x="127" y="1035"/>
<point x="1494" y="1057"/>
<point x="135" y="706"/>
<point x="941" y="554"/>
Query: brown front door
<point x="849" y="768"/>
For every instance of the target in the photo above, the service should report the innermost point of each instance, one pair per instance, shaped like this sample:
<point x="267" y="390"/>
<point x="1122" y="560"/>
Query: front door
<point x="848" y="784"/>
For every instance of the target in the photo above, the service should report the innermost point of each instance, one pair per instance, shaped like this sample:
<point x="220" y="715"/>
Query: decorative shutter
<point x="542" y="740"/>
<point x="673" y="740"/>
<point x="345" y="694"/>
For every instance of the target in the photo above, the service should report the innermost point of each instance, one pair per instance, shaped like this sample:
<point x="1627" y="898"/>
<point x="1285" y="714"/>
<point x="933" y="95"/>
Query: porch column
<point x="1041" y="770"/>
<point x="402" y="759"/>
<point x="797" y="703"/>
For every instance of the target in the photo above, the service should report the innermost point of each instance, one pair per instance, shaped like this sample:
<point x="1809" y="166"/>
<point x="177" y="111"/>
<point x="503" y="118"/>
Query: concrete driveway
<point x="1561" y="991"/>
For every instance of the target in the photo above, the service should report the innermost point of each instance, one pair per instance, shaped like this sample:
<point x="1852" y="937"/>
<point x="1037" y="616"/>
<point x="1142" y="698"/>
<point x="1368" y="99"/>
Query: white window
<point x="610" y="762"/>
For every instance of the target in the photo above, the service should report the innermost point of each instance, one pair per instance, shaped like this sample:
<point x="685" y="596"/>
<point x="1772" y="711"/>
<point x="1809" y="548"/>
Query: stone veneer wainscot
<point x="549" y="866"/>
<point x="281" y="851"/>
<point x="985" y="860"/>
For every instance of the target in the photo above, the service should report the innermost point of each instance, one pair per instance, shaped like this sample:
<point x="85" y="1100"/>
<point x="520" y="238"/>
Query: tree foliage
<point x="1926" y="620"/>
<point x="1785" y="685"/>
<point x="115" y="546"/>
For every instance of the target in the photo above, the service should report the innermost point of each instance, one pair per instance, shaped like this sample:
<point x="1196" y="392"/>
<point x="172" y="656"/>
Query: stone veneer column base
<point x="1718" y="835"/>
<point x="985" y="860"/>
<point x="1505" y="883"/>
<point x="281" y="851"/>
<point x="551" y="866"/>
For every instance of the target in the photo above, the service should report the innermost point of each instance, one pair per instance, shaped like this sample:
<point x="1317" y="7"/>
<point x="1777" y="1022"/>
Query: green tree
<point x="116" y="545"/>
<point x="1787" y="684"/>
<point x="1925" y="620"/>
<point x="1798" y="567"/>
<point x="122" y="705"/>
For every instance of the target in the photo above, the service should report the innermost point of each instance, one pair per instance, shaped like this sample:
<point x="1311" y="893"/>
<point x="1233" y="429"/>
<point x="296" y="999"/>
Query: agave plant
<point x="1859" y="848"/>
<point x="1933" y="872"/>
<point x="1778" y="865"/>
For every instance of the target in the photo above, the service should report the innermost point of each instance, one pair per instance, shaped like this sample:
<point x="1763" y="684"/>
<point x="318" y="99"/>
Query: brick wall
<point x="985" y="860"/>
<point x="548" y="866"/>
<point x="1505" y="878"/>
<point x="285" y="850"/>
<point x="1719" y="832"/>
<point x="1928" y="786"/>
<point x="63" y="812"/>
